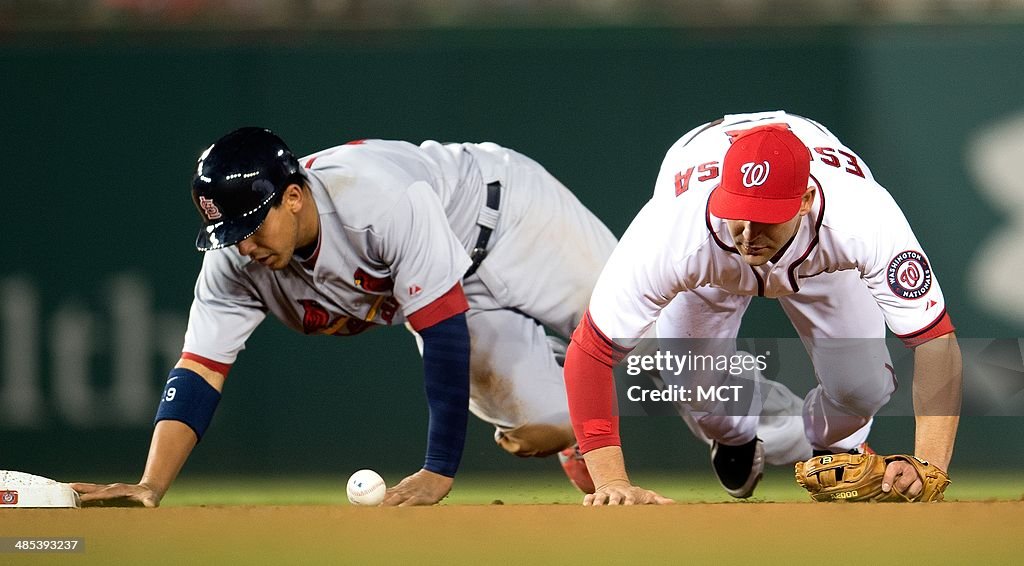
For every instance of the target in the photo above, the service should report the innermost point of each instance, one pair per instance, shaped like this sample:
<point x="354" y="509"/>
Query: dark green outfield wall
<point x="101" y="131"/>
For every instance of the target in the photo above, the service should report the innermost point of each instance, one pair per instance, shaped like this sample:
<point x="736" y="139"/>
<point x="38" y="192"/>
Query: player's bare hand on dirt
<point x="421" y="488"/>
<point x="624" y="493"/>
<point x="116" y="495"/>
<point x="902" y="476"/>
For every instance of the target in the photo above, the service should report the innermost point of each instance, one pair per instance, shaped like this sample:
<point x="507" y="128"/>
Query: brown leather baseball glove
<point x="858" y="477"/>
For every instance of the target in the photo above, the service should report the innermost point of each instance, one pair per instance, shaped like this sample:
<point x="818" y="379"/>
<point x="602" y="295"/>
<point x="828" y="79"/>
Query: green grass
<point x="520" y="489"/>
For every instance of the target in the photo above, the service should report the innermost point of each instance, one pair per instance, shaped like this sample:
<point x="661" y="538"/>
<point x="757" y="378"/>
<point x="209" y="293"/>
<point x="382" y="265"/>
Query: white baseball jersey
<point x="396" y="221"/>
<point x="675" y="244"/>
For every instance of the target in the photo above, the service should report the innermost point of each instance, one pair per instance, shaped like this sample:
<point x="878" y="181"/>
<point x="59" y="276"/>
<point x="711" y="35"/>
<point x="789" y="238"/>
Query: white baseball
<point x="366" y="487"/>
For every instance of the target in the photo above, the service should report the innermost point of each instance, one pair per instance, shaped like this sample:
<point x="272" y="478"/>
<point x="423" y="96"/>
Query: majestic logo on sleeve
<point x="8" y="497"/>
<point x="755" y="174"/>
<point x="908" y="275"/>
<point x="209" y="208"/>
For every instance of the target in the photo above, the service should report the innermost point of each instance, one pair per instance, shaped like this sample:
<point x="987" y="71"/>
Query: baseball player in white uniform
<point x="772" y="205"/>
<point x="474" y="247"/>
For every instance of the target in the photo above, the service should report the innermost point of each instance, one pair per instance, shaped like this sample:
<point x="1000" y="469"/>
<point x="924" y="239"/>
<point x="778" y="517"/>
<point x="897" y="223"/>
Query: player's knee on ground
<point x="535" y="439"/>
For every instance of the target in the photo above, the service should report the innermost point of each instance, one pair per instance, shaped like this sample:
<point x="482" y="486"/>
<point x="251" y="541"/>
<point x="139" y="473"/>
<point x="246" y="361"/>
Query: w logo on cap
<point x="765" y="173"/>
<point x="755" y="174"/>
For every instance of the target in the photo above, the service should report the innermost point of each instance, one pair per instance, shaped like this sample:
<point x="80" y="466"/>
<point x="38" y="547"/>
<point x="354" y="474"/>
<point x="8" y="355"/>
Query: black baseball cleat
<point x="739" y="468"/>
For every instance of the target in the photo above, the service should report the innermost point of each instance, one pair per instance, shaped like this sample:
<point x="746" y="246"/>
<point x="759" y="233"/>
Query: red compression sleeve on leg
<point x="590" y="386"/>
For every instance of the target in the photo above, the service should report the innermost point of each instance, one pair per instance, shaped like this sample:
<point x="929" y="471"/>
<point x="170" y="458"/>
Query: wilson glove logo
<point x="755" y="174"/>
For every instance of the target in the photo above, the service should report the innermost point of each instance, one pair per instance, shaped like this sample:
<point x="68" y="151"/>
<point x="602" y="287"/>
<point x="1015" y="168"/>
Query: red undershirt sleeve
<point x="209" y="364"/>
<point x="590" y="386"/>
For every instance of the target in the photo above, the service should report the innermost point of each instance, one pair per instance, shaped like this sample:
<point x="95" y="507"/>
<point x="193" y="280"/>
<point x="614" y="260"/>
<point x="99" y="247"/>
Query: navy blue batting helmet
<point x="237" y="180"/>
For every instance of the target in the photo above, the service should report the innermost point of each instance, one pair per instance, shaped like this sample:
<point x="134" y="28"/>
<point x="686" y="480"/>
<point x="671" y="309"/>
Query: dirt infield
<point x="761" y="533"/>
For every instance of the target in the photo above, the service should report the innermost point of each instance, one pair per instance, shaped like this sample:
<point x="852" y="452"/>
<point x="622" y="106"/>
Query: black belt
<point x="487" y="220"/>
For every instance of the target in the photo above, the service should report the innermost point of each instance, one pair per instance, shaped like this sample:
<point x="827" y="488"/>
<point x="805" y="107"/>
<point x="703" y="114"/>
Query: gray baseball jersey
<point x="397" y="222"/>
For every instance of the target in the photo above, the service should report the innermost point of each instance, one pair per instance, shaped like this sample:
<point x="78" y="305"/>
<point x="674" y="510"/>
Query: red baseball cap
<point x="764" y="176"/>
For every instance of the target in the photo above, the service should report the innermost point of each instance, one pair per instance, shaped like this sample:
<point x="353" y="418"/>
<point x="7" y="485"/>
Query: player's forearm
<point x="938" y="387"/>
<point x="172" y="443"/>
<point x="190" y="398"/>
<point x="934" y="439"/>
<point x="446" y="384"/>
<point x="606" y="466"/>
<point x="590" y="391"/>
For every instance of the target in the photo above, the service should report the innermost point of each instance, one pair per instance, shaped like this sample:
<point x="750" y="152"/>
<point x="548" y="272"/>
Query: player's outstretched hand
<point x="901" y="476"/>
<point x="421" y="488"/>
<point x="624" y="493"/>
<point x="116" y="495"/>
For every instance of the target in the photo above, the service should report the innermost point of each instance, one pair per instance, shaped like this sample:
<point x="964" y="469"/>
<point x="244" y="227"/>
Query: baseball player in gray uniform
<point x="474" y="247"/>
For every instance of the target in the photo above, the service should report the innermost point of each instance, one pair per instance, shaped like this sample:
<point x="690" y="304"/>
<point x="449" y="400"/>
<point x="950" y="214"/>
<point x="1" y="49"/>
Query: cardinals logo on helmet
<point x="209" y="208"/>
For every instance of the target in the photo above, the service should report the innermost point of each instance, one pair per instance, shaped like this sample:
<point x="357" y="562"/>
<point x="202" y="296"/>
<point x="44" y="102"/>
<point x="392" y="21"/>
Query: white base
<point x="18" y="489"/>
